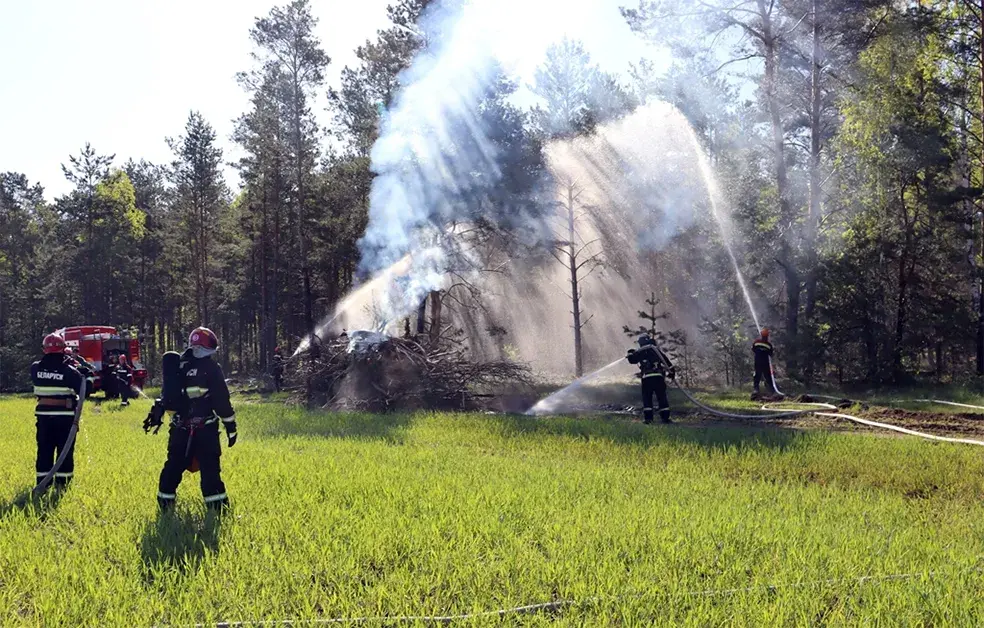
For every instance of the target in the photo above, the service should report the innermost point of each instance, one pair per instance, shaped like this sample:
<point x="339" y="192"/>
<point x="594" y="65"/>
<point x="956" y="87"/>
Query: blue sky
<point x="123" y="74"/>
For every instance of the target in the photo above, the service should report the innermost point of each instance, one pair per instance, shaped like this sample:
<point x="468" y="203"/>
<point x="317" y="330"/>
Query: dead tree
<point x="581" y="258"/>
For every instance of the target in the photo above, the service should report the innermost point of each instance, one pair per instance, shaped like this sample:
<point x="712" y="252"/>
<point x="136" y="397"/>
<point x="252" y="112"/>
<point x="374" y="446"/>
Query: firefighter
<point x="109" y="379"/>
<point x="763" y="351"/>
<point x="124" y="378"/>
<point x="278" y="369"/>
<point x="193" y="438"/>
<point x="82" y="366"/>
<point x="56" y="385"/>
<point x="654" y="368"/>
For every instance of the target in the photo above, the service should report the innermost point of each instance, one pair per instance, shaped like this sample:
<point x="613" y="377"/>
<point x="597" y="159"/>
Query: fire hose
<point x="823" y="409"/>
<point x="950" y="403"/>
<point x="67" y="447"/>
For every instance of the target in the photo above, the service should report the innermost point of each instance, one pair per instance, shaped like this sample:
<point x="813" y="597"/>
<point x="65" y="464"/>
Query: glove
<point x="671" y="373"/>
<point x="155" y="418"/>
<point x="231" y="433"/>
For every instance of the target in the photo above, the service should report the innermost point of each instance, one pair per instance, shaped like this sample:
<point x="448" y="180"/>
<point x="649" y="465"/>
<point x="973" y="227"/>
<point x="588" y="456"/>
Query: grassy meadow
<point x="346" y="516"/>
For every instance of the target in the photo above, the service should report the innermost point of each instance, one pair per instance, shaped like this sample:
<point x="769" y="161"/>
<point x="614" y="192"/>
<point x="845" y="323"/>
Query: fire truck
<point x="101" y="345"/>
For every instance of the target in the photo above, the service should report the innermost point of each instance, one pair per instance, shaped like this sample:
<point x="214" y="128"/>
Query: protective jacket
<point x="763" y="351"/>
<point x="56" y="385"/>
<point x="205" y="393"/>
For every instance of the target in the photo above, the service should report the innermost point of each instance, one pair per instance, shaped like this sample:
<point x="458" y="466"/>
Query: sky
<point x="124" y="74"/>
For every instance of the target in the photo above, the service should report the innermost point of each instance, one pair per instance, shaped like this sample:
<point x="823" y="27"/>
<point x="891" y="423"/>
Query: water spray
<point x="713" y="193"/>
<point x="549" y="404"/>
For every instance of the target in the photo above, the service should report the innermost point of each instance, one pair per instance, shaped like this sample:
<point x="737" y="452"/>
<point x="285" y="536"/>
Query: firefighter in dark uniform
<point x="124" y="379"/>
<point x="654" y="368"/>
<point x="82" y="366"/>
<point x="278" y="369"/>
<point x="763" y="351"/>
<point x="56" y="385"/>
<point x="194" y="431"/>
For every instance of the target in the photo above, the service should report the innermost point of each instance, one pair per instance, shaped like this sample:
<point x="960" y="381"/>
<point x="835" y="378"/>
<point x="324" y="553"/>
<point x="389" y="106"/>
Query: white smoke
<point x="434" y="150"/>
<point x="435" y="157"/>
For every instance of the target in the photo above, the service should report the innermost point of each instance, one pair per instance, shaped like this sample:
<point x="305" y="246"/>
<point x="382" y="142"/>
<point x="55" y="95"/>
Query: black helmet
<point x="645" y="340"/>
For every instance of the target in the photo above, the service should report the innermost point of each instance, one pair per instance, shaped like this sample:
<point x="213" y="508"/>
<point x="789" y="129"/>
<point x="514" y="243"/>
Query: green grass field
<point x="351" y="516"/>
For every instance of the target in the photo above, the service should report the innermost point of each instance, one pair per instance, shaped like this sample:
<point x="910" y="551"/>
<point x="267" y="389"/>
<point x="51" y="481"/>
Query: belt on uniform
<point x="56" y="402"/>
<point x="193" y="423"/>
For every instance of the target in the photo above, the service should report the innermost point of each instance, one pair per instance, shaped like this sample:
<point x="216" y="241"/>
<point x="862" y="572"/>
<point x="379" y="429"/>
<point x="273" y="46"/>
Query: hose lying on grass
<point x="774" y="414"/>
<point x="561" y="604"/>
<point x="950" y="403"/>
<point x="818" y="409"/>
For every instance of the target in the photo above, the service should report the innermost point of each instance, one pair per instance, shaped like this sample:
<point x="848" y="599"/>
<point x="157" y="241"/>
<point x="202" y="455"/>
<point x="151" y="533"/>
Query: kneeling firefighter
<point x="194" y="392"/>
<point x="654" y="368"/>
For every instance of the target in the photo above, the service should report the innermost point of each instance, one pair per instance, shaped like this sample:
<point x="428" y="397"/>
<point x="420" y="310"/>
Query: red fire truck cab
<point x="101" y="345"/>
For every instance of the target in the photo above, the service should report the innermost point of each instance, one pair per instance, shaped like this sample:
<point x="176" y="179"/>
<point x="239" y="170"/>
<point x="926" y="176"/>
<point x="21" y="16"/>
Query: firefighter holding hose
<point x="278" y="369"/>
<point x="124" y="380"/>
<point x="57" y="384"/>
<point x="200" y="402"/>
<point x="82" y="366"/>
<point x="763" y="351"/>
<point x="654" y="368"/>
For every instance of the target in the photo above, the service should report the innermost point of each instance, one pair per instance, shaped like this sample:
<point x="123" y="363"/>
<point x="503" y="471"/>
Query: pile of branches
<point x="408" y="373"/>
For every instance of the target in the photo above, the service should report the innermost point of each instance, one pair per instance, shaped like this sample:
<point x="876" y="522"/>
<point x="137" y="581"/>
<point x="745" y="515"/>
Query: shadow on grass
<point x="627" y="431"/>
<point x="178" y="541"/>
<point x="354" y="425"/>
<point x="41" y="506"/>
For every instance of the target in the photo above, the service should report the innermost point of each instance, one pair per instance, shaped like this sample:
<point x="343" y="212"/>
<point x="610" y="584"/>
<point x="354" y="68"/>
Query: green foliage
<point x="431" y="514"/>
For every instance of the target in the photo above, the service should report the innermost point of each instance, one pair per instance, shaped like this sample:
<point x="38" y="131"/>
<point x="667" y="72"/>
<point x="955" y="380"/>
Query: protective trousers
<point x="52" y="432"/>
<point x="182" y="445"/>
<point x="763" y="372"/>
<point x="654" y="384"/>
<point x="124" y="388"/>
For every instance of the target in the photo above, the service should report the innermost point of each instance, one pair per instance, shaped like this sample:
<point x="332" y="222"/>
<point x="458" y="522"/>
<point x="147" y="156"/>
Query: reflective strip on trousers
<point x="215" y="498"/>
<point x="231" y="419"/>
<point x="652" y="375"/>
<point x="70" y="413"/>
<point x="166" y="495"/>
<point x="41" y="474"/>
<point x="64" y="475"/>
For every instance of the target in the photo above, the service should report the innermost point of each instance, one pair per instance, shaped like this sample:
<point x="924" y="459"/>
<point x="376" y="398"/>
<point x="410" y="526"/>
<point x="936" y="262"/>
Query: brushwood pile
<point x="373" y="372"/>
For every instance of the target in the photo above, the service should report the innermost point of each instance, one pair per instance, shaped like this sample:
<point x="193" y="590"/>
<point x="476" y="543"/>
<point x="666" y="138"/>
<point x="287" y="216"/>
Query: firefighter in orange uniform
<point x="56" y="385"/>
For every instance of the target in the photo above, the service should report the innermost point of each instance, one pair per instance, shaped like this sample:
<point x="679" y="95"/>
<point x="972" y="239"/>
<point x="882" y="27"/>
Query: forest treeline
<point x="848" y="136"/>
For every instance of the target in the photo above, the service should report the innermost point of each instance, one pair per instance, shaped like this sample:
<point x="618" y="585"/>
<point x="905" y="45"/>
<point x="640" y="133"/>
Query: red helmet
<point x="203" y="337"/>
<point x="53" y="343"/>
<point x="765" y="333"/>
